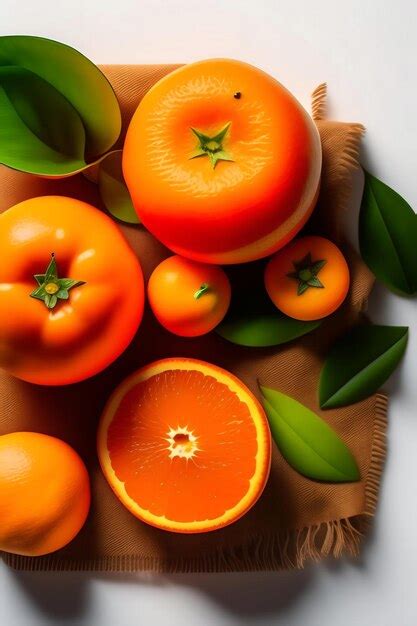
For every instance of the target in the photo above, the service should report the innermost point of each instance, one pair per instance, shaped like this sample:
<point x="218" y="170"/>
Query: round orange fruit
<point x="185" y="445"/>
<point x="44" y="493"/>
<point x="71" y="290"/>
<point x="308" y="279"/>
<point x="188" y="298"/>
<point x="222" y="162"/>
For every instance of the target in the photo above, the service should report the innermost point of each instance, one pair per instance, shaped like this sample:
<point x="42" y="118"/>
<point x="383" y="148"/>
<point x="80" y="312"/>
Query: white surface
<point x="366" y="51"/>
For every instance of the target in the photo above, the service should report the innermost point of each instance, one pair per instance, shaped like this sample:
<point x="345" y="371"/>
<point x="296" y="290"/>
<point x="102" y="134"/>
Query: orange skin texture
<point x="243" y="209"/>
<point x="44" y="493"/>
<point x="171" y="291"/>
<point x="81" y="335"/>
<point x="149" y="470"/>
<point x="315" y="303"/>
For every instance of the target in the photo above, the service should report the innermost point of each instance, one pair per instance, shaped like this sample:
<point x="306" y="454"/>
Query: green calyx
<point x="306" y="272"/>
<point x="50" y="288"/>
<point x="212" y="147"/>
<point x="202" y="290"/>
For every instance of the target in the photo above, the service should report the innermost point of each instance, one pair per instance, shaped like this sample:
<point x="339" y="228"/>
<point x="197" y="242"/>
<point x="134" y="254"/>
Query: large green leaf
<point x="306" y="441"/>
<point x="38" y="126"/>
<point x="388" y="236"/>
<point x="113" y="190"/>
<point x="53" y="90"/>
<point x="263" y="329"/>
<point x="360" y="363"/>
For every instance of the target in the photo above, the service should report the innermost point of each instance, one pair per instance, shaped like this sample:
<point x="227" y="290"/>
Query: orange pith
<point x="185" y="445"/>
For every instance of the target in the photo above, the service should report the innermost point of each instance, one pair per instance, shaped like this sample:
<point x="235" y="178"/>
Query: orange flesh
<point x="187" y="449"/>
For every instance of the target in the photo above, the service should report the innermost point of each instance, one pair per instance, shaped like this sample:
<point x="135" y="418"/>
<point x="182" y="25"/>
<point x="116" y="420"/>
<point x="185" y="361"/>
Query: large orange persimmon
<point x="71" y="291"/>
<point x="222" y="162"/>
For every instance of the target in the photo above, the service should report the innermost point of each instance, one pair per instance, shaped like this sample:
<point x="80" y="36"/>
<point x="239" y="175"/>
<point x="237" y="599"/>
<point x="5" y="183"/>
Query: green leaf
<point x="113" y="190"/>
<point x="388" y="236"/>
<point x="360" y="363"/>
<point x="38" y="293"/>
<point x="263" y="329"/>
<point x="40" y="131"/>
<point x="317" y="266"/>
<point x="69" y="283"/>
<point x="302" y="287"/>
<point x="222" y="133"/>
<point x="51" y="270"/>
<point x="315" y="282"/>
<point x="40" y="278"/>
<point x="200" y="136"/>
<point x="69" y="107"/>
<point x="306" y="441"/>
<point x="51" y="301"/>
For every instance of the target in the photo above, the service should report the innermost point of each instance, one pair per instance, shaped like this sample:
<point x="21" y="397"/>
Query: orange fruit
<point x="185" y="445"/>
<point x="44" y="493"/>
<point x="308" y="279"/>
<point x="222" y="162"/>
<point x="71" y="290"/>
<point x="188" y="298"/>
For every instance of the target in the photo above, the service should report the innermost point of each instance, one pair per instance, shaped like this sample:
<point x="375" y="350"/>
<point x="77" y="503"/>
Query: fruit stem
<point x="305" y="273"/>
<point x="212" y="146"/>
<point x="202" y="290"/>
<point x="50" y="288"/>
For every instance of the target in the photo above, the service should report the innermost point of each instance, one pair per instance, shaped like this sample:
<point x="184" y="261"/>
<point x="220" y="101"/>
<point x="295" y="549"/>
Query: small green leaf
<point x="388" y="236"/>
<point x="221" y="155"/>
<point x="306" y="441"/>
<point x="113" y="190"/>
<point x="62" y="294"/>
<point x="69" y="283"/>
<point x="302" y="287"/>
<point x="198" y="152"/>
<point x="56" y="105"/>
<point x="259" y="330"/>
<point x="40" y="278"/>
<point x="222" y="133"/>
<point x="39" y="293"/>
<point x="315" y="282"/>
<point x="51" y="270"/>
<point x="360" y="363"/>
<point x="317" y="266"/>
<point x="51" y="301"/>
<point x="200" y="136"/>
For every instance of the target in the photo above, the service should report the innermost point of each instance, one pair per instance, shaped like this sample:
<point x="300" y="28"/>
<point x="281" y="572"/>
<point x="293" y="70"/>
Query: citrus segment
<point x="185" y="445"/>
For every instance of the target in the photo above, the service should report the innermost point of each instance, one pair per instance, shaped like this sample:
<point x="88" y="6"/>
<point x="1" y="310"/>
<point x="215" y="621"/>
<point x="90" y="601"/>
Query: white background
<point x="366" y="51"/>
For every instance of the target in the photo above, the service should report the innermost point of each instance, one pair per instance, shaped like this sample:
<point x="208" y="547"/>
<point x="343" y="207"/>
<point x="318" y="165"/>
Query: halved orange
<point x="185" y="445"/>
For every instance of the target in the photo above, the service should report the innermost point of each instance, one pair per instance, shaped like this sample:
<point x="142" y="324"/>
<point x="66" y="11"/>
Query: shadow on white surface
<point x="66" y="596"/>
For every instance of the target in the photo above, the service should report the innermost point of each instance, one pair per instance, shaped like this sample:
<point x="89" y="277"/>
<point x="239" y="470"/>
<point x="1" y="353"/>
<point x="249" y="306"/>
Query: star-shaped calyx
<point x="50" y="288"/>
<point x="306" y="272"/>
<point x="212" y="147"/>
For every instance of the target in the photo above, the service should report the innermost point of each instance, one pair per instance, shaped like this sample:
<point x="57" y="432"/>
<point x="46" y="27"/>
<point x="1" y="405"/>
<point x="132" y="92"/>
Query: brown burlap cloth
<point x="296" y="518"/>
